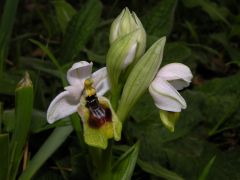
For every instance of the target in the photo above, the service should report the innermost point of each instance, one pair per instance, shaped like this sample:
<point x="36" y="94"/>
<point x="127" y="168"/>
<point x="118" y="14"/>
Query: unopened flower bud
<point x="126" y="23"/>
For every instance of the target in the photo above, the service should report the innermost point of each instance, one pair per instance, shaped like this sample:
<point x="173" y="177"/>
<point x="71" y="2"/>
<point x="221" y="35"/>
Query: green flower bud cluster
<point x="127" y="45"/>
<point x="130" y="68"/>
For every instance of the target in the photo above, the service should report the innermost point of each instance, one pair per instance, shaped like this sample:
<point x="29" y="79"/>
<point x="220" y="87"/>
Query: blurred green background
<point x="203" y="34"/>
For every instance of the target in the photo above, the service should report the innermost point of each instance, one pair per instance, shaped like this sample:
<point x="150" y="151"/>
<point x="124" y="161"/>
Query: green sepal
<point x="140" y="77"/>
<point x="169" y="119"/>
<point x="117" y="55"/>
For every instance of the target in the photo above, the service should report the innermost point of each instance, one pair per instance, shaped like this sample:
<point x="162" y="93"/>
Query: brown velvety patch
<point x="99" y="114"/>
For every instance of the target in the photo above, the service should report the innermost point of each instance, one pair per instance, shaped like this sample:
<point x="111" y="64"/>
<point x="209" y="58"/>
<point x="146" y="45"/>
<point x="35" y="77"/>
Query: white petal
<point x="75" y="91"/>
<point x="166" y="96"/>
<point x="130" y="56"/>
<point x="79" y="72"/>
<point x="179" y="75"/>
<point x="63" y="105"/>
<point x="101" y="83"/>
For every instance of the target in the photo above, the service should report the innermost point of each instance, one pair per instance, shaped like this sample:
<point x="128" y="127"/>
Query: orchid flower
<point x="85" y="96"/>
<point x="169" y="79"/>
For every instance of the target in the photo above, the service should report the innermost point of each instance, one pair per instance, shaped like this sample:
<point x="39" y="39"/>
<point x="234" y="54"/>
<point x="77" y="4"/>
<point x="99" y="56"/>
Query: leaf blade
<point x="124" y="167"/>
<point x="80" y="29"/>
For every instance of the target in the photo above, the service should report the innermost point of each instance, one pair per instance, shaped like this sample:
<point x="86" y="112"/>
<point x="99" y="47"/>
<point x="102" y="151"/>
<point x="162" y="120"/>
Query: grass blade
<point x="64" y="12"/>
<point x="53" y="142"/>
<point x="206" y="169"/>
<point x="52" y="58"/>
<point x="6" y="29"/>
<point x="1" y="116"/>
<point x="159" y="19"/>
<point x="124" y="167"/>
<point x="80" y="29"/>
<point x="4" y="152"/>
<point x="158" y="171"/>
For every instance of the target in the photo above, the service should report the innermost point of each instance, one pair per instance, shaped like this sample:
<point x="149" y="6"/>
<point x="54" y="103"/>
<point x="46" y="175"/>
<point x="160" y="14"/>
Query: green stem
<point x="1" y="116"/>
<point x="76" y="124"/>
<point x="102" y="162"/>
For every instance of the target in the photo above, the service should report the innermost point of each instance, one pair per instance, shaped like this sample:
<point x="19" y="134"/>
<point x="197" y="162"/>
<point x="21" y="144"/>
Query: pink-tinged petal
<point x="177" y="74"/>
<point x="166" y="96"/>
<point x="63" y="105"/>
<point x="100" y="78"/>
<point x="79" y="72"/>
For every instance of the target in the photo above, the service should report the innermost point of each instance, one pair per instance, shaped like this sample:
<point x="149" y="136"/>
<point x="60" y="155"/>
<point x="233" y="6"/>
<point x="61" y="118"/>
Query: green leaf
<point x="97" y="58"/>
<point x="215" y="12"/>
<point x="4" y="155"/>
<point x="1" y="116"/>
<point x="206" y="169"/>
<point x="8" y="84"/>
<point x="222" y="101"/>
<point x="8" y="120"/>
<point x="124" y="167"/>
<point x="224" y="41"/>
<point x="225" y="166"/>
<point x="204" y="47"/>
<point x="53" y="142"/>
<point x="39" y="65"/>
<point x="52" y="58"/>
<point x="64" y="13"/>
<point x="23" y="114"/>
<point x="211" y="8"/>
<point x="38" y="124"/>
<point x="147" y="124"/>
<point x="48" y="52"/>
<point x="188" y="149"/>
<point x="80" y="29"/>
<point x="192" y="29"/>
<point x="176" y="52"/>
<point x="159" y="20"/>
<point x="158" y="170"/>
<point x="6" y="26"/>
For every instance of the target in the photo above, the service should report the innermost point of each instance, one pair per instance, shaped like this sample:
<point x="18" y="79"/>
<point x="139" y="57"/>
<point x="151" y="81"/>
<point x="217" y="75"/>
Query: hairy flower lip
<point x="97" y="123"/>
<point x="98" y="136"/>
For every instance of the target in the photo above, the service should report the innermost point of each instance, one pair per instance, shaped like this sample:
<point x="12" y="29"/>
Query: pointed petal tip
<point x="159" y="45"/>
